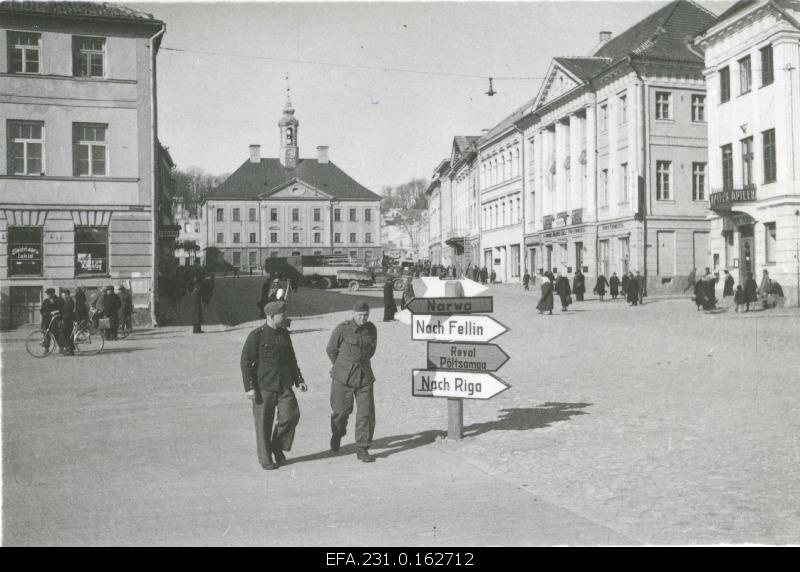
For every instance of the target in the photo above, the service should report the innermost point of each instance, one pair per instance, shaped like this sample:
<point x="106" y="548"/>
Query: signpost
<point x="443" y="313"/>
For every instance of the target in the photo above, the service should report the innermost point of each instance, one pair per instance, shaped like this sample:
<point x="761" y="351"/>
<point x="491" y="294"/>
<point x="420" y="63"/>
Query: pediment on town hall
<point x="558" y="82"/>
<point x="295" y="189"/>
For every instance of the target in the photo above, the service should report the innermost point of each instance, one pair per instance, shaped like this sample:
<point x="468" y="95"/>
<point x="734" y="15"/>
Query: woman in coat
<point x="631" y="291"/>
<point x="614" y="286"/>
<point x="564" y="292"/>
<point x="699" y="293"/>
<point x="545" y="303"/>
<point x="600" y="286"/>
<point x="626" y="281"/>
<point x="728" y="288"/>
<point x="579" y="285"/>
<point x="750" y="291"/>
<point x="710" y="300"/>
<point x="389" y="305"/>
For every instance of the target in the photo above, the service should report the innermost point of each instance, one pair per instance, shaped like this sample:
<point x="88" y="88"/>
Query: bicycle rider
<point x="50" y="305"/>
<point x="67" y="323"/>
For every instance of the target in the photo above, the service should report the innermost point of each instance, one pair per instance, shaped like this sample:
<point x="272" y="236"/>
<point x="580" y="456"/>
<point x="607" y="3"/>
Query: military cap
<point x="50" y="291"/>
<point x="274" y="308"/>
<point x="110" y="288"/>
<point x="361" y="307"/>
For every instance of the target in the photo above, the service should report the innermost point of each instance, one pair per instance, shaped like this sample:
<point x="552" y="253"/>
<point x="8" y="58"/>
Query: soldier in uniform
<point x="269" y="371"/>
<point x="350" y="349"/>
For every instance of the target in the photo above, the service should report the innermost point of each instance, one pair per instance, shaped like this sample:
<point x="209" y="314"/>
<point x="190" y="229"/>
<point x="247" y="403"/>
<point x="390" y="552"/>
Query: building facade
<point x="288" y="206"/>
<point x="80" y="174"/>
<point x="752" y="60"/>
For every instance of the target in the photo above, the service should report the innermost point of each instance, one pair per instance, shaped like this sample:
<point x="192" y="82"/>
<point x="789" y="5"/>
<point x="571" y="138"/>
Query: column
<point x="561" y="136"/>
<point x="590" y="199"/>
<point x="574" y="193"/>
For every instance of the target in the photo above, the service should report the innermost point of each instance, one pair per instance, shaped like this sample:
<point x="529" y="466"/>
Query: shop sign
<point x="564" y="232"/>
<point x="611" y="226"/>
<point x="723" y="200"/>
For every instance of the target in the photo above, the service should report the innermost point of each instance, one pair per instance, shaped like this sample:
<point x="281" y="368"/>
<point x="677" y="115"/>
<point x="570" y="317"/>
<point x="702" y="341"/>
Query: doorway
<point x="25" y="304"/>
<point x="747" y="252"/>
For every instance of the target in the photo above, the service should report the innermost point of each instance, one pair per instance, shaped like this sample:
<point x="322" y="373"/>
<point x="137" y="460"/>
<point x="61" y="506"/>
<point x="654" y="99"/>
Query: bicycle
<point x="40" y="343"/>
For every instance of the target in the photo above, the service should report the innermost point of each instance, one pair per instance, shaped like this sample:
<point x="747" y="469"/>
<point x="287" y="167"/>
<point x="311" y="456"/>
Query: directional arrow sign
<point x="466" y="357"/>
<point x="432" y="287"/>
<point x="425" y="327"/>
<point x="464" y="385"/>
<point x="476" y="305"/>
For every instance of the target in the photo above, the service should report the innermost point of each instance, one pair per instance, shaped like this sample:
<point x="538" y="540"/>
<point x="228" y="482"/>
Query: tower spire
<point x="288" y="125"/>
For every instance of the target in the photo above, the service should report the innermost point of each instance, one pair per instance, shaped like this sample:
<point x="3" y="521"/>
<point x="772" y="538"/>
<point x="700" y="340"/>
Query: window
<point x="220" y="215"/>
<point x="771" y="238"/>
<point x="25" y="251"/>
<point x="317" y="237"/>
<point x="91" y="250"/>
<point x="698" y="108"/>
<point x="273" y="215"/>
<point x="317" y="215"/>
<point x="236" y="215"/>
<point x="352" y="214"/>
<point x="252" y="260"/>
<point x="623" y="109"/>
<point x="237" y="259"/>
<point x="368" y="237"/>
<point x="196" y="227"/>
<point x="252" y="238"/>
<point x="663" y="169"/>
<point x="251" y="215"/>
<point x="368" y="215"/>
<point x="727" y="167"/>
<point x="295" y="237"/>
<point x="353" y="254"/>
<point x="220" y="238"/>
<point x="603" y="118"/>
<point x="724" y="84"/>
<point x="604" y="188"/>
<point x="515" y="260"/>
<point x="295" y="215"/>
<point x="337" y="237"/>
<point x="768" y="144"/>
<point x="624" y="168"/>
<point x="663" y="105"/>
<point x="317" y="253"/>
<point x="747" y="161"/>
<point x="89" y="149"/>
<point x="352" y="237"/>
<point x="337" y="215"/>
<point x="698" y="181"/>
<point x="745" y="79"/>
<point x="25" y="147"/>
<point x="237" y="238"/>
<point x="88" y="57"/>
<point x="273" y="237"/>
<point x="767" y="73"/>
<point x="23" y="52"/>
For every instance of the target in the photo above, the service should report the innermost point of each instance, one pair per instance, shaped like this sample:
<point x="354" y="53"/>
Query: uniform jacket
<point x="350" y="349"/>
<point x="268" y="359"/>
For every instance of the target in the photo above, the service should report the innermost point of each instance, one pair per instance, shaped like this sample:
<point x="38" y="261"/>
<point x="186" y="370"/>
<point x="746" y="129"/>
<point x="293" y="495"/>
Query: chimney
<point x="255" y="153"/>
<point x="604" y="37"/>
<point x="322" y="154"/>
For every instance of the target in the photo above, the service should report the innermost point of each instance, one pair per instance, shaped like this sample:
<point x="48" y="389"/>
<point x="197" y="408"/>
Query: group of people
<point x="769" y="292"/>
<point x="105" y="303"/>
<point x="632" y="288"/>
<point x="270" y="373"/>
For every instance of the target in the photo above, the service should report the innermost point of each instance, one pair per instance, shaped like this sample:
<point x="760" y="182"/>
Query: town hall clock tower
<point x="289" y="154"/>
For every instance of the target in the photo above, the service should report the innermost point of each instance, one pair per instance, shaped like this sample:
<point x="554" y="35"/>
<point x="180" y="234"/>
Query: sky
<point x="386" y="86"/>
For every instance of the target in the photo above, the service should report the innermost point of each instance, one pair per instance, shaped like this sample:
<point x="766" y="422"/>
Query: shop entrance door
<point x="25" y="304"/>
<point x="747" y="252"/>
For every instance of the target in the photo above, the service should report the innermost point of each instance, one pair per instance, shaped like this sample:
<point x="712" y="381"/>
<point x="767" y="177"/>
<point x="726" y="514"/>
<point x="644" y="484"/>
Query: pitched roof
<point x="464" y="141"/>
<point x="103" y="10"/>
<point x="663" y="34"/>
<point x="251" y="180"/>
<point x="584" y="68"/>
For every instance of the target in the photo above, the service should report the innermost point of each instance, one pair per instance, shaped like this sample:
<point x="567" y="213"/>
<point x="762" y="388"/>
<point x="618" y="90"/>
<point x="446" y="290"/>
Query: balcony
<point x="726" y="199"/>
<point x="456" y="236"/>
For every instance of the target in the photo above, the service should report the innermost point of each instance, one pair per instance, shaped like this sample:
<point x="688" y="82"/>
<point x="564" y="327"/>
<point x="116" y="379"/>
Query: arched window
<point x="516" y="163"/>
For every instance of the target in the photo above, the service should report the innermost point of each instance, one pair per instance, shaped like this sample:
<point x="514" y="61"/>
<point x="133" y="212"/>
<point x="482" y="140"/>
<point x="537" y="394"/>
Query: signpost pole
<point x="455" y="406"/>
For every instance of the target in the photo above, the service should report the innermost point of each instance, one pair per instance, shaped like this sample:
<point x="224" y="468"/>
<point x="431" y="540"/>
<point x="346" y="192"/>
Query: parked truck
<point x="329" y="271"/>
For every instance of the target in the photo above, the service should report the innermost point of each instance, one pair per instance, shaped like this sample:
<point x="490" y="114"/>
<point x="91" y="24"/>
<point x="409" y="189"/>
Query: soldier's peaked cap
<point x="274" y="308"/>
<point x="361" y="307"/>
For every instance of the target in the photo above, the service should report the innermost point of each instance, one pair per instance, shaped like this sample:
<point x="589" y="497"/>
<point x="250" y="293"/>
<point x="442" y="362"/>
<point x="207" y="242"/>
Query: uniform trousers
<point x="342" y="397"/>
<point x="268" y="439"/>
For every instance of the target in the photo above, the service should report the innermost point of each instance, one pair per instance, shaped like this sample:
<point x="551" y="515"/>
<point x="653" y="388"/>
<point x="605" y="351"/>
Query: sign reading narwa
<point x="476" y="305"/>
<point x="466" y="357"/>
<point x="463" y="385"/>
<point x="425" y="327"/>
<point x="432" y="287"/>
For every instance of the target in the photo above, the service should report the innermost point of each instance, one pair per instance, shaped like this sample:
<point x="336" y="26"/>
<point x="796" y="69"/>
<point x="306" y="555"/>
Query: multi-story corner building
<point x="752" y="61"/>
<point x="462" y="233"/>
<point x="289" y="206"/>
<point x="619" y="155"/>
<point x="80" y="171"/>
<point x="435" y="191"/>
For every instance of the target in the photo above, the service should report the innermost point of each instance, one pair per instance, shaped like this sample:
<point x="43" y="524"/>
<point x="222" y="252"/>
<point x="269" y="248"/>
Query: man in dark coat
<point x="111" y="306"/>
<point x="632" y="290"/>
<point x="600" y="286"/>
<point x="728" y="287"/>
<point x="125" y="307"/>
<point x="710" y="299"/>
<point x="81" y="309"/>
<point x="639" y="283"/>
<point x="52" y="305"/>
<point x="626" y="281"/>
<point x="564" y="291"/>
<point x="350" y="348"/>
<point x="614" y="286"/>
<point x="545" y="303"/>
<point x="526" y="280"/>
<point x="750" y="291"/>
<point x="579" y="285"/>
<point x="408" y="293"/>
<point x="484" y="275"/>
<point x="389" y="305"/>
<point x="196" y="308"/>
<point x="699" y="294"/>
<point x="492" y="277"/>
<point x="67" y="323"/>
<point x="97" y="305"/>
<point x="269" y="372"/>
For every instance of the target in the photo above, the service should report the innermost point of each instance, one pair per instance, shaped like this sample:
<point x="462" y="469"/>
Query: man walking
<point x="52" y="305"/>
<point x="350" y="348"/>
<point x="67" y="323"/>
<point x="389" y="305"/>
<point x="125" y="308"/>
<point x="269" y="371"/>
<point x="111" y="306"/>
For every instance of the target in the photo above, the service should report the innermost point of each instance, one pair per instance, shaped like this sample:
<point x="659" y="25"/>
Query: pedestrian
<point x="408" y="293"/>
<point x="690" y="283"/>
<point x="613" y="285"/>
<point x="493" y="276"/>
<point x="196" y="308"/>
<point x="51" y="308"/>
<point x="269" y="372"/>
<point x="526" y="280"/>
<point x="111" y="306"/>
<point x="545" y="303"/>
<point x="206" y="291"/>
<point x="600" y="286"/>
<point x="564" y="292"/>
<point x="125" y="308"/>
<point x="632" y="292"/>
<point x="81" y="310"/>
<point x="67" y="323"/>
<point x="626" y="281"/>
<point x="579" y="285"/>
<point x="389" y="305"/>
<point x="640" y="287"/>
<point x="728" y="287"/>
<point x="750" y="291"/>
<point x="97" y="305"/>
<point x="484" y="275"/>
<point x="350" y="348"/>
<point x="765" y="288"/>
<point x="738" y="297"/>
<point x="699" y="294"/>
<point x="710" y="299"/>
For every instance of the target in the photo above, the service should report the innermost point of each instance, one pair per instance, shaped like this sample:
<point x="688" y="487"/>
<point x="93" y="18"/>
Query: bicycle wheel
<point x="89" y="343"/>
<point x="40" y="343"/>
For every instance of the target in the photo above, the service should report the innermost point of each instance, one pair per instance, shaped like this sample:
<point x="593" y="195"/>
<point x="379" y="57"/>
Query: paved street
<point x="649" y="425"/>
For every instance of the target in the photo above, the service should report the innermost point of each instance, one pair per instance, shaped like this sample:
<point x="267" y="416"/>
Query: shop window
<point x="91" y="250"/>
<point x="25" y="251"/>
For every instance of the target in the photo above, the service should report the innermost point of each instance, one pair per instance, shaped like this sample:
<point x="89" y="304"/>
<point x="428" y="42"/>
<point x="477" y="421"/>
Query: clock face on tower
<point x="290" y="153"/>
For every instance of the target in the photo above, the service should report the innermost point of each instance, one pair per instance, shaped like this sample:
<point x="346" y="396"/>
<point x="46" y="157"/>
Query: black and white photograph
<point x="400" y="281"/>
